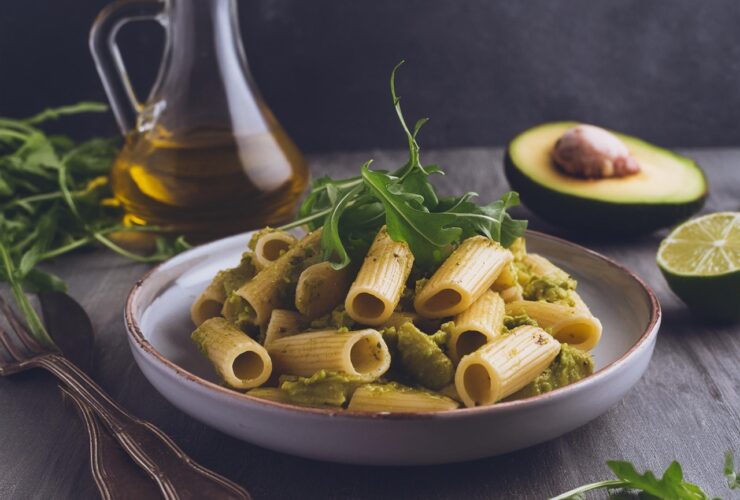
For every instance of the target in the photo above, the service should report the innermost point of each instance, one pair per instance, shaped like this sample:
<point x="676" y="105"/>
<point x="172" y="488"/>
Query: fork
<point x="176" y="474"/>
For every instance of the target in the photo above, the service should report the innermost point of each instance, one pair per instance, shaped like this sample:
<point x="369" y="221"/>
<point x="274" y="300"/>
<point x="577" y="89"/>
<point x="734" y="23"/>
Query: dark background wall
<point x="481" y="69"/>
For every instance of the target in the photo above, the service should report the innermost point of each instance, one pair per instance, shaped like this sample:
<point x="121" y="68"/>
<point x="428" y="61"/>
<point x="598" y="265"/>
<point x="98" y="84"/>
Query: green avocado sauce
<point x="235" y="277"/>
<point x="238" y="312"/>
<point x="337" y="318"/>
<point x="421" y="356"/>
<point x="553" y="289"/>
<point x="571" y="365"/>
<point x="511" y="322"/>
<point x="323" y="388"/>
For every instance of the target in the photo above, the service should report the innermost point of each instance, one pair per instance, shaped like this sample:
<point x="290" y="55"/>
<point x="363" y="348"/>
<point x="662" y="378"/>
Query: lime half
<point x="700" y="260"/>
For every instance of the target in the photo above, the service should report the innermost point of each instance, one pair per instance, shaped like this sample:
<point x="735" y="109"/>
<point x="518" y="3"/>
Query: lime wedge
<point x="700" y="260"/>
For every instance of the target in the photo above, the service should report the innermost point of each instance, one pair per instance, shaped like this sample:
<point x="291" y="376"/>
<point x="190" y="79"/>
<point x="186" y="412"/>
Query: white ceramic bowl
<point x="158" y="323"/>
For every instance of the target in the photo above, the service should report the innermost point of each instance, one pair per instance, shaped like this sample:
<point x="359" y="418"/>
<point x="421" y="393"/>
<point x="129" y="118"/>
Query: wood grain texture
<point x="687" y="406"/>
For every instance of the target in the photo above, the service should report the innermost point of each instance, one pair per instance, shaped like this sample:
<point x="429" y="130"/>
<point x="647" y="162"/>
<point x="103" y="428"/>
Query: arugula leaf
<point x="428" y="234"/>
<point x="353" y="210"/>
<point x="671" y="486"/>
<point x="331" y="241"/>
<point x="732" y="476"/>
<point x="52" y="201"/>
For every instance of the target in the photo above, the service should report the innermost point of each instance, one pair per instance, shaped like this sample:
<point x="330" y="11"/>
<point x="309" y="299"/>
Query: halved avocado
<point x="668" y="189"/>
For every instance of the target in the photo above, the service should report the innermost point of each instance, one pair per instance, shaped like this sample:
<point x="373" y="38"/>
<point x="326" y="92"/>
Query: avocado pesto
<point x="235" y="277"/>
<point x="238" y="311"/>
<point x="422" y="358"/>
<point x="554" y="289"/>
<point x="571" y="365"/>
<point x="337" y="318"/>
<point x="511" y="322"/>
<point x="324" y="388"/>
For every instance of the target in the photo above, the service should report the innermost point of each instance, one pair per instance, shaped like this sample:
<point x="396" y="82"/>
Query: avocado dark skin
<point x="603" y="219"/>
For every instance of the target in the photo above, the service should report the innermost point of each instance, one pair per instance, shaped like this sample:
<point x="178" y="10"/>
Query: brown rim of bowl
<point x="133" y="330"/>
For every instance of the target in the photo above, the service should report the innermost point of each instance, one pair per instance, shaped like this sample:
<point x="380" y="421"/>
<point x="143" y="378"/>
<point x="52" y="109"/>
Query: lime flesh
<point x="700" y="260"/>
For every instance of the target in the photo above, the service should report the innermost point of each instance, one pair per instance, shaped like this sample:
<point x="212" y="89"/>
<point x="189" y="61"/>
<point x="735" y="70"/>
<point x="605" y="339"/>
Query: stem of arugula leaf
<point x="122" y="251"/>
<point x="613" y="483"/>
<point x="35" y="198"/>
<point x="13" y="134"/>
<point x="35" y="325"/>
<point x="305" y="220"/>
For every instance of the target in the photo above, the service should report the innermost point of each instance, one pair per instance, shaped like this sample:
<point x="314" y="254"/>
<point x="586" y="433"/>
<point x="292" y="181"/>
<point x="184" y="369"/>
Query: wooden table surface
<point x="686" y="407"/>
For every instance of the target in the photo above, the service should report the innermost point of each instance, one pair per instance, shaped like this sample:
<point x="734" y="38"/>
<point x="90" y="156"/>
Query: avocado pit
<point x="591" y="152"/>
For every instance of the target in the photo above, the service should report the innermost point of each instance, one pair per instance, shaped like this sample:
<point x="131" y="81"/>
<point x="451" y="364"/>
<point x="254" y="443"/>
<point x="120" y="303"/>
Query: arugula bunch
<point x="55" y="198"/>
<point x="352" y="210"/>
<point x="671" y="486"/>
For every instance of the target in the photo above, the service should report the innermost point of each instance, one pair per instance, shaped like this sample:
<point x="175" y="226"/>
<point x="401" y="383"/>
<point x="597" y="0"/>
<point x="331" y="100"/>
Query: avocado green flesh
<point x="669" y="188"/>
<point x="571" y="365"/>
<point x="323" y="388"/>
<point x="422" y="358"/>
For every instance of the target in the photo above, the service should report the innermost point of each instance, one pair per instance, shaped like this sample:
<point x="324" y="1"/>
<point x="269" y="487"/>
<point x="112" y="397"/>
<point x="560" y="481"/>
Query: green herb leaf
<point x="353" y="210"/>
<point x="52" y="194"/>
<point x="40" y="281"/>
<point x="331" y="241"/>
<point x="670" y="487"/>
<point x="732" y="476"/>
<point x="429" y="235"/>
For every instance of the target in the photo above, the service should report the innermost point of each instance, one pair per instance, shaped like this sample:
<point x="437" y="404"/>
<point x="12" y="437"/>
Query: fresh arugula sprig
<point x="352" y="210"/>
<point x="730" y="473"/>
<point x="671" y="486"/>
<point x="54" y="199"/>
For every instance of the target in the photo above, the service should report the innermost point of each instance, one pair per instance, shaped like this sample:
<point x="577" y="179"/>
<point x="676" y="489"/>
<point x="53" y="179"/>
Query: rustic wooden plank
<point x="687" y="407"/>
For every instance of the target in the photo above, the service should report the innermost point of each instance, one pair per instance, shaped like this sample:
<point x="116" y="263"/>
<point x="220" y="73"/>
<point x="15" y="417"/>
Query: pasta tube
<point x="209" y="303"/>
<point x="320" y="289"/>
<point x="541" y="266"/>
<point x="397" y="398"/>
<point x="506" y="279"/>
<point x="282" y="324"/>
<point x="361" y="353"/>
<point x="275" y="394"/>
<point x="271" y="288"/>
<point x="571" y="325"/>
<point x="463" y="278"/>
<point x="378" y="286"/>
<point x="476" y="326"/>
<point x="240" y="361"/>
<point x="504" y="365"/>
<point x="512" y="293"/>
<point x="270" y="246"/>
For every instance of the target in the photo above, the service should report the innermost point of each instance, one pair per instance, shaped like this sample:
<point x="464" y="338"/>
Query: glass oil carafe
<point x="203" y="156"/>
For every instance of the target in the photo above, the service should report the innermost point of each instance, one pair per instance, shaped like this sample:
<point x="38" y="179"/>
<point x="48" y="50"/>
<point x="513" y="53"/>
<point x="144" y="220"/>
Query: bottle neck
<point x="205" y="80"/>
<point x="200" y="32"/>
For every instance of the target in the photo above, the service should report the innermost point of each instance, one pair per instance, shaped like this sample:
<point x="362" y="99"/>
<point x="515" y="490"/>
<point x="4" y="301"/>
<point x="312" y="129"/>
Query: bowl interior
<point x="162" y="306"/>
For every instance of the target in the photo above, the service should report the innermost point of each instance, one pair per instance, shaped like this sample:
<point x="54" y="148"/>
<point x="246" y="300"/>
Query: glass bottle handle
<point x="108" y="58"/>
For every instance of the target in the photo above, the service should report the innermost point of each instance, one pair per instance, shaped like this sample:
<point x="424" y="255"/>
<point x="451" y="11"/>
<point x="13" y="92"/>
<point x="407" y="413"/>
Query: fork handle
<point x="176" y="474"/>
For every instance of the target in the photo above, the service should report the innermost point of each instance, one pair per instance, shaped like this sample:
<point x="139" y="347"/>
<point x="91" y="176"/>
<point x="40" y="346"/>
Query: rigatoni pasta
<point x="397" y="398"/>
<point x="361" y="353"/>
<point x="240" y="361"/>
<point x="504" y="365"/>
<point x="283" y="323"/>
<point x="462" y="278"/>
<point x="321" y="288"/>
<point x="568" y="324"/>
<point x="271" y="287"/>
<point x="477" y="325"/>
<point x="210" y="302"/>
<point x="377" y="288"/>
<point x="270" y="246"/>
<point x="486" y="325"/>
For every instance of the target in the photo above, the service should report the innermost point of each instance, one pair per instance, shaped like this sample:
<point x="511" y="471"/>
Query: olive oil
<point x="209" y="183"/>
